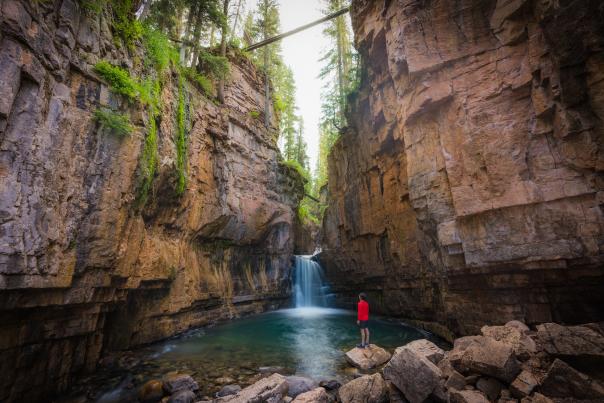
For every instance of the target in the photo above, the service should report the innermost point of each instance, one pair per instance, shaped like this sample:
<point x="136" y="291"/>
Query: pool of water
<point x="303" y="341"/>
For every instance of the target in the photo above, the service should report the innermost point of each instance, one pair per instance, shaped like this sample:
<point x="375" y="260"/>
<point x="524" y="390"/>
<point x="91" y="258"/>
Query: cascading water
<point x="309" y="287"/>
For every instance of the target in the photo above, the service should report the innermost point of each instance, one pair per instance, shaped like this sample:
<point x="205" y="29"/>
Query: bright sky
<point x="302" y="52"/>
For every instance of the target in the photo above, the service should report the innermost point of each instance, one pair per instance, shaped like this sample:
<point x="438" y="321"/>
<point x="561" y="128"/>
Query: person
<point x="362" y="319"/>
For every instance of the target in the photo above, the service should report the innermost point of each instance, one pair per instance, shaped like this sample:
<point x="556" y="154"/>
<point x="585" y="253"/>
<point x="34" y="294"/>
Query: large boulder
<point x="151" y="391"/>
<point x="562" y="381"/>
<point x="490" y="387"/>
<point x="514" y="335"/>
<point x="585" y="341"/>
<point x="366" y="389"/>
<point x="273" y="389"/>
<point x="174" y="382"/>
<point x="299" y="384"/>
<point x="413" y="373"/>
<point x="467" y="396"/>
<point x="317" y="395"/>
<point x="486" y="356"/>
<point x="524" y="384"/>
<point x="367" y="358"/>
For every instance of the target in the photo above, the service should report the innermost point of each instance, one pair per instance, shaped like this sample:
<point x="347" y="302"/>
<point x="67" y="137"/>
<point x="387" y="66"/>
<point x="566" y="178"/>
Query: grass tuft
<point x="117" y="123"/>
<point x="118" y="78"/>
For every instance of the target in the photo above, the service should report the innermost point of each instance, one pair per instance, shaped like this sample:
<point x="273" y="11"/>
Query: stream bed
<point x="302" y="341"/>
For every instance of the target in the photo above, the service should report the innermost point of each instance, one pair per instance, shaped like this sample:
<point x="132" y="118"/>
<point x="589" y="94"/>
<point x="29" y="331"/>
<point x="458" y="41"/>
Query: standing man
<point x="362" y="319"/>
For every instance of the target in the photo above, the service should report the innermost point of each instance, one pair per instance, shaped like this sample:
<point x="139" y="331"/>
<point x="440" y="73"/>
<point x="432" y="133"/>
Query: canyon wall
<point x="83" y="267"/>
<point x="467" y="188"/>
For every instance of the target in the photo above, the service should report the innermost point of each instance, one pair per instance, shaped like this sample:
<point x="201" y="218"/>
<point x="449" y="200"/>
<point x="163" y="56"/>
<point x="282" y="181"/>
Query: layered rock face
<point x="468" y="187"/>
<point x="83" y="268"/>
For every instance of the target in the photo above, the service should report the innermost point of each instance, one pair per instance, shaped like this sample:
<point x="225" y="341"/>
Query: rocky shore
<point x="504" y="364"/>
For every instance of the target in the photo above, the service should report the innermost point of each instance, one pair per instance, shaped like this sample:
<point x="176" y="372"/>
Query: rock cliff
<point x="467" y="188"/>
<point x="83" y="267"/>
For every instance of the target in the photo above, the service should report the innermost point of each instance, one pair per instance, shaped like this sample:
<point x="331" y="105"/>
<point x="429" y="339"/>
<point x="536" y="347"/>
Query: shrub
<point x="119" y="79"/>
<point x="215" y="66"/>
<point x="116" y="122"/>
<point x="159" y="51"/>
<point x="201" y="81"/>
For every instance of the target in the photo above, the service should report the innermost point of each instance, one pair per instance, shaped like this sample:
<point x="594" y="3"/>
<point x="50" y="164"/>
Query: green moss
<point x="181" y="140"/>
<point x="150" y="94"/>
<point x="200" y="81"/>
<point x="125" y="25"/>
<point x="117" y="123"/>
<point x="118" y="79"/>
<point x="295" y="165"/>
<point x="148" y="162"/>
<point x="92" y="7"/>
<point x="254" y="114"/>
<point x="159" y="52"/>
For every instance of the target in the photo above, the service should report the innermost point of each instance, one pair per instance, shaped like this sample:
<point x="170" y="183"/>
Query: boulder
<point x="228" y="390"/>
<point x="412" y="373"/>
<point x="585" y="341"/>
<point x="394" y="395"/>
<point x="366" y="389"/>
<point x="428" y="349"/>
<point x="486" y="356"/>
<point x="299" y="384"/>
<point x="182" y="396"/>
<point x="174" y="381"/>
<point x="367" y="358"/>
<point x="522" y="345"/>
<point x="455" y="381"/>
<point x="150" y="392"/>
<point x="518" y="325"/>
<point x="562" y="380"/>
<point x="490" y="387"/>
<point x="524" y="384"/>
<point x="539" y="398"/>
<point x="467" y="396"/>
<point x="317" y="395"/>
<point x="272" y="388"/>
<point x="330" y="385"/>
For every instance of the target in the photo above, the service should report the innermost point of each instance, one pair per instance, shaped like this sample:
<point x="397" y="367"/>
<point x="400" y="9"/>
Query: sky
<point x="302" y="52"/>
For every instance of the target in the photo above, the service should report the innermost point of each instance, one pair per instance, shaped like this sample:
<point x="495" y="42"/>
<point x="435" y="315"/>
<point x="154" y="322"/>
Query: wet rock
<point x="467" y="396"/>
<point x="317" y="395"/>
<point x="299" y="384"/>
<point x="228" y="390"/>
<point x="524" y="384"/>
<point x="367" y="358"/>
<point x="330" y="385"/>
<point x="490" y="387"/>
<point x="366" y="389"/>
<point x="174" y="382"/>
<point x="151" y="391"/>
<point x="412" y="373"/>
<point x="182" y="396"/>
<point x="485" y="356"/>
<point x="562" y="380"/>
<point x="272" y="389"/>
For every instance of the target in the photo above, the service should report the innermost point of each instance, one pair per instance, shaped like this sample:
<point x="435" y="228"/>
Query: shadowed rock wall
<point x="82" y="269"/>
<point x="468" y="187"/>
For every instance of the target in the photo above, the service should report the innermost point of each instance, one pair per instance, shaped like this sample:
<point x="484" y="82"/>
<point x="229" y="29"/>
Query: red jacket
<point x="363" y="308"/>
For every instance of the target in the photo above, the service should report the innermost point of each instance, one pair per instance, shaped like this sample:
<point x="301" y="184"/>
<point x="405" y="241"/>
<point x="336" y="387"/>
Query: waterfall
<point x="309" y="287"/>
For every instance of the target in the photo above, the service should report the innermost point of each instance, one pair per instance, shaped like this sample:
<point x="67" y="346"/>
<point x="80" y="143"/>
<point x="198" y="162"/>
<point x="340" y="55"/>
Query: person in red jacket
<point x="362" y="319"/>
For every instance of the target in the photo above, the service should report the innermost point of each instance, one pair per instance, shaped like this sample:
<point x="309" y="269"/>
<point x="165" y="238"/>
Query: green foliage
<point x="92" y="7"/>
<point x="159" y="52"/>
<point x="117" y="123"/>
<point x="201" y="81"/>
<point x="217" y="67"/>
<point x="254" y="114"/>
<point x="124" y="24"/>
<point x="118" y="78"/>
<point x="295" y="165"/>
<point x="181" y="140"/>
<point x="150" y="94"/>
<point x="148" y="162"/>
